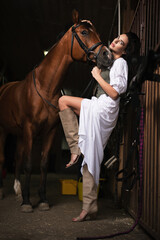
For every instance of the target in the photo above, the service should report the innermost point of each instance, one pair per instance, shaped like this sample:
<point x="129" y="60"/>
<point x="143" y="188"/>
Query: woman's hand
<point x="96" y="72"/>
<point x="104" y="85"/>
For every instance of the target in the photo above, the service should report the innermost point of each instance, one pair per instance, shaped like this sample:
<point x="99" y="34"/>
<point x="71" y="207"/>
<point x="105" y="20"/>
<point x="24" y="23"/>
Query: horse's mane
<point x="85" y="23"/>
<point x="61" y="34"/>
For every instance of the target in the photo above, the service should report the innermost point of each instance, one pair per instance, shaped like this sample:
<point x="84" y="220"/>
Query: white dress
<point x="98" y="117"/>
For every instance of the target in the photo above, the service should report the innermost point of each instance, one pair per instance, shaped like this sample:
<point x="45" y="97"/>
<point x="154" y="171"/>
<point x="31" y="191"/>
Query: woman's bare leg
<point x="70" y="102"/>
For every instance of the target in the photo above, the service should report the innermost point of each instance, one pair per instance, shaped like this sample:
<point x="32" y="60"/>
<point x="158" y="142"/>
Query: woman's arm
<point x="104" y="85"/>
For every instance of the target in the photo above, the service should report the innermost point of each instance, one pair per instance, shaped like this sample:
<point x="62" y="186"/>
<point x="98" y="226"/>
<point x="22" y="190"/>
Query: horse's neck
<point x="51" y="71"/>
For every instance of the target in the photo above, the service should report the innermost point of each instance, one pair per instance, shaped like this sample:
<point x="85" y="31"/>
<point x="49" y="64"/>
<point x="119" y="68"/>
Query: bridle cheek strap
<point x="87" y="50"/>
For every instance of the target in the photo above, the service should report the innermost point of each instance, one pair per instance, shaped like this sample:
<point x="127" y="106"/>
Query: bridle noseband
<point x="87" y="50"/>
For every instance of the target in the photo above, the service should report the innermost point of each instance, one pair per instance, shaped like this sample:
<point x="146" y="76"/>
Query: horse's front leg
<point x="27" y="141"/>
<point x="19" y="161"/>
<point x="44" y="205"/>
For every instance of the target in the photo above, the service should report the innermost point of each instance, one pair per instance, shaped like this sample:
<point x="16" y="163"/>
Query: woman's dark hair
<point x="133" y="46"/>
<point x="132" y="53"/>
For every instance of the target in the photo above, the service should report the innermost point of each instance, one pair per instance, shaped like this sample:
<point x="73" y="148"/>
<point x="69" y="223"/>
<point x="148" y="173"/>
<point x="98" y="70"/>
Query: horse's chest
<point x="46" y="120"/>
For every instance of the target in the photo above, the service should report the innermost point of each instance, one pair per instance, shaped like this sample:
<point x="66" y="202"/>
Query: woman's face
<point x="119" y="45"/>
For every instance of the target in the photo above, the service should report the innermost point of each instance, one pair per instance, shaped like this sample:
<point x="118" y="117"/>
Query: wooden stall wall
<point x="146" y="23"/>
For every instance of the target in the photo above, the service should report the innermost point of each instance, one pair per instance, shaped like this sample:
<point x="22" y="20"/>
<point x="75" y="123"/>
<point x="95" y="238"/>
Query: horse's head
<point x="88" y="45"/>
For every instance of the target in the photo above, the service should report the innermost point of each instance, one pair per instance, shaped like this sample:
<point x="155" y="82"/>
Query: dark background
<point x="28" y="27"/>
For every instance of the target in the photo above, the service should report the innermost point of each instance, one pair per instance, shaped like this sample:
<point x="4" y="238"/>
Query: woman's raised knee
<point x="62" y="103"/>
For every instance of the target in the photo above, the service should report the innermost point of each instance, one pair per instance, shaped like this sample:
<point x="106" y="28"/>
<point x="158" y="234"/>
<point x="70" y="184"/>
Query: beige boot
<point x="89" y="192"/>
<point x="70" y="126"/>
<point x="90" y="207"/>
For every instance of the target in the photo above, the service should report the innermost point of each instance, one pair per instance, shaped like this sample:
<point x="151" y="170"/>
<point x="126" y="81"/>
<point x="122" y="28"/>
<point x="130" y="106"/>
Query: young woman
<point x="97" y="118"/>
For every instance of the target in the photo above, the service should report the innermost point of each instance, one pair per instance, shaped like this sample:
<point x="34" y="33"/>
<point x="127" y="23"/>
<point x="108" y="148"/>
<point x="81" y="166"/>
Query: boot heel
<point x="93" y="216"/>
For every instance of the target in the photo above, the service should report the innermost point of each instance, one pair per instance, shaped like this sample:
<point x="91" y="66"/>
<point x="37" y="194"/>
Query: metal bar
<point x="119" y="17"/>
<point x="115" y="12"/>
<point x="134" y="17"/>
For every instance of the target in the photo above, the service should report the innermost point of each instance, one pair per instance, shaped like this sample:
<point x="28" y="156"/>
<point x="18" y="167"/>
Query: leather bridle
<point x="87" y="50"/>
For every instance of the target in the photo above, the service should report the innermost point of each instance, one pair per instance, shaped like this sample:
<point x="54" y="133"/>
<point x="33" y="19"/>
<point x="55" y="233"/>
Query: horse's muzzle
<point x="104" y="58"/>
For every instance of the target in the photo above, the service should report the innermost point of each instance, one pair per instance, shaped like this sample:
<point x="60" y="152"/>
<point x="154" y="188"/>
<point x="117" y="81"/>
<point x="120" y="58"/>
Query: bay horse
<point x="29" y="108"/>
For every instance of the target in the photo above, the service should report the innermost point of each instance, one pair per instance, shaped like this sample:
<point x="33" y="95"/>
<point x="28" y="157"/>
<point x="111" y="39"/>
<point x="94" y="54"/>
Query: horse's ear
<point x="75" y="16"/>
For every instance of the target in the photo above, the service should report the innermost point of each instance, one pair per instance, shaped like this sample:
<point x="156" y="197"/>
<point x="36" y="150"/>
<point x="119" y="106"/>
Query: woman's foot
<point x="74" y="160"/>
<point x="83" y="215"/>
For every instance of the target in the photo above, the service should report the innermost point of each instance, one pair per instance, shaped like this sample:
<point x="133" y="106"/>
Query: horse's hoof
<point x="1" y="194"/>
<point x="26" y="208"/>
<point x="43" y="206"/>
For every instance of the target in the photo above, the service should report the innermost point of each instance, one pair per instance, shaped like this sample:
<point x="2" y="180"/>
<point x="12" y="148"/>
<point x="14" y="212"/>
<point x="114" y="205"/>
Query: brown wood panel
<point x="146" y="24"/>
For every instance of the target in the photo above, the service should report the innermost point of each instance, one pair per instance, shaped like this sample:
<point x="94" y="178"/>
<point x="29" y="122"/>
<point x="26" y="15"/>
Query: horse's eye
<point x="84" y="32"/>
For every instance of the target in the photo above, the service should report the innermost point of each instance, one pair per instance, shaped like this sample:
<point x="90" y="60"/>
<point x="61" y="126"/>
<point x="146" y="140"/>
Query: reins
<point x="45" y="100"/>
<point x="131" y="176"/>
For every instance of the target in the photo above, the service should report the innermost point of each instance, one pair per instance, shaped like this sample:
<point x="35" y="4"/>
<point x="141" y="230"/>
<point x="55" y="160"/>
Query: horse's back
<point x="6" y="86"/>
<point x="11" y="97"/>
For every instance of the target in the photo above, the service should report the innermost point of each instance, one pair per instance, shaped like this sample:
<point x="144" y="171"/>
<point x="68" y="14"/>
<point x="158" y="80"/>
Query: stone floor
<point x="56" y="224"/>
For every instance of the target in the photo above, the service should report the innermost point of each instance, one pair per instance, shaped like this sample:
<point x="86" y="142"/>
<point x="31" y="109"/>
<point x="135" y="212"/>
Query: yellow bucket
<point x="68" y="186"/>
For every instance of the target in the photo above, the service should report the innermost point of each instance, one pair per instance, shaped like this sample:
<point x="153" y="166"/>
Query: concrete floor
<point x="56" y="224"/>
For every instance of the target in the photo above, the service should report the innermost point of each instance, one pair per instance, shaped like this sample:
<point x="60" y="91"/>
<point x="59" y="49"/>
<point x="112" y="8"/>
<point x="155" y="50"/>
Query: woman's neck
<point x="116" y="56"/>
